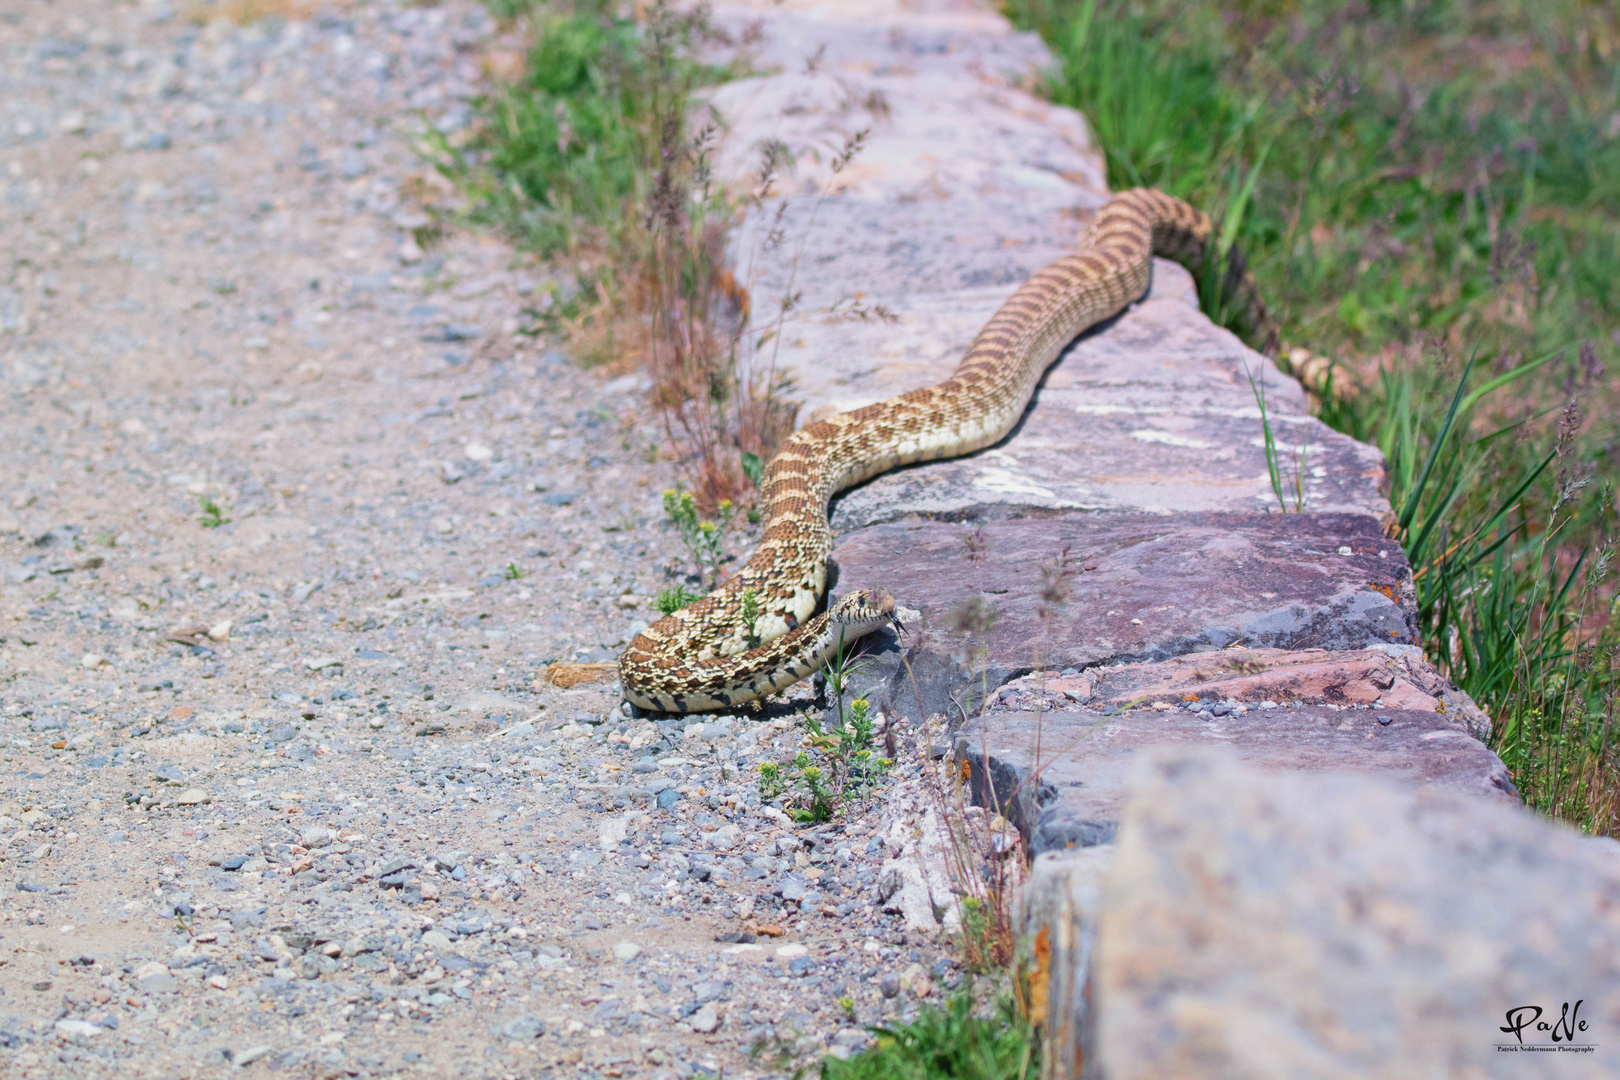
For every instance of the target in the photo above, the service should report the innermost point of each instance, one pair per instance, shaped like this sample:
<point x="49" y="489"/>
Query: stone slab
<point x="1326" y="926"/>
<point x="1058" y="908"/>
<point x="1394" y="676"/>
<point x="1147" y="587"/>
<point x="1154" y="411"/>
<point x="923" y="222"/>
<point x="1151" y="412"/>
<point x="1061" y="775"/>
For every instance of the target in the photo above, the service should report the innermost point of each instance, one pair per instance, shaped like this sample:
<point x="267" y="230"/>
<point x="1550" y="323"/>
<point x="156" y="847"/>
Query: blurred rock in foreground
<point x="1323" y="925"/>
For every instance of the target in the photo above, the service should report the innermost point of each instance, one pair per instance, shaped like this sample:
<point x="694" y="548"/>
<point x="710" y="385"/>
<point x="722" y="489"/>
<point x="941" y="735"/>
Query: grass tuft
<point x="951" y="1042"/>
<point x="593" y="153"/>
<point x="213" y="515"/>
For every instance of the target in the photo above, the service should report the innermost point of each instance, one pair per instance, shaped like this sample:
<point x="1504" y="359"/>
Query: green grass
<point x="562" y="150"/>
<point x="948" y="1042"/>
<point x="1443" y="167"/>
<point x="213" y="515"/>
<point x="1429" y="192"/>
<point x="596" y="156"/>
<point x="565" y="156"/>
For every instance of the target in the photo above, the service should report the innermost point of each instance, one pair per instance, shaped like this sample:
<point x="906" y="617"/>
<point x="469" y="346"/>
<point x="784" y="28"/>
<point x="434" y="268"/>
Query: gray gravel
<point x="292" y="792"/>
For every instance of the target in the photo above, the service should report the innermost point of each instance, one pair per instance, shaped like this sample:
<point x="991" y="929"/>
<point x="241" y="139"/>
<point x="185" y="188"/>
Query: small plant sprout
<point x="772" y="783"/>
<point x="817" y="801"/>
<point x="704" y="538"/>
<point x="1282" y="487"/>
<point x="750" y="614"/>
<point x="956" y="1040"/>
<point x="213" y="515"/>
<point x="839" y="765"/>
<point x="753" y="467"/>
<point x="514" y="572"/>
<point x="670" y="600"/>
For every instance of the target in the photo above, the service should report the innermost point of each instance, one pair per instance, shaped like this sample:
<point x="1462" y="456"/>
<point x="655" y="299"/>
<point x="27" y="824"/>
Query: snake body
<point x="707" y="656"/>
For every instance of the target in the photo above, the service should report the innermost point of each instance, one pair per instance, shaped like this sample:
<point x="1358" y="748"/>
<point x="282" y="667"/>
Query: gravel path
<point x="291" y="792"/>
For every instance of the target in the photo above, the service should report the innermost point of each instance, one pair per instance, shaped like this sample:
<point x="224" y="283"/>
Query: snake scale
<point x="707" y="656"/>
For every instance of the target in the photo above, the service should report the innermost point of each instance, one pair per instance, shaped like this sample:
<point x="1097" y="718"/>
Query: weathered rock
<point x="1390" y="676"/>
<point x="523" y="1027"/>
<point x="1060" y="904"/>
<point x="705" y="1020"/>
<point x="1143" y="587"/>
<point x="923" y="224"/>
<point x="155" y="978"/>
<point x="1084" y="757"/>
<point x="316" y="836"/>
<point x="904" y="890"/>
<point x="1394" y="677"/>
<point x="1335" y="926"/>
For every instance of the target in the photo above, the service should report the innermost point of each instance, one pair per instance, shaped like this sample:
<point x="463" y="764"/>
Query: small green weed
<point x="213" y="516"/>
<point x="1526" y="629"/>
<point x="598" y="156"/>
<point x="978" y="932"/>
<point x="565" y="154"/>
<point x="812" y="799"/>
<point x="753" y="467"/>
<point x="950" y="1042"/>
<point x="514" y="572"/>
<point x="704" y="538"/>
<point x="750" y="615"/>
<point x="670" y="600"/>
<point x="841" y="766"/>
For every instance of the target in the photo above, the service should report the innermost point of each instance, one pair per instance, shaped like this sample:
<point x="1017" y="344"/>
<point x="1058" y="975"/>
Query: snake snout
<point x="884" y="602"/>
<point x="869" y="609"/>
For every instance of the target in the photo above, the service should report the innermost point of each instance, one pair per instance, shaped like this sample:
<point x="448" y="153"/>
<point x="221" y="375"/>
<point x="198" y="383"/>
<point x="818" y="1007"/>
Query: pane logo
<point x="1534" y="1030"/>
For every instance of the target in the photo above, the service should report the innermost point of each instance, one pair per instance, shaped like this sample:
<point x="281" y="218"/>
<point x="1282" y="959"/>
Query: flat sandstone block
<point x="922" y="224"/>
<point x="1060" y="775"/>
<point x="1307" y="926"/>
<point x="1397" y="677"/>
<point x="1151" y="411"/>
<point x="1145" y="587"/>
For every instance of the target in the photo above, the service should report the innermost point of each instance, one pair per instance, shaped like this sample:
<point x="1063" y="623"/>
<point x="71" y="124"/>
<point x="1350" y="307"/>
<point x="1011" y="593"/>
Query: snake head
<point x="860" y="613"/>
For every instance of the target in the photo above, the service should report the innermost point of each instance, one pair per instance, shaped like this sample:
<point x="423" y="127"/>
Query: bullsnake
<point x="707" y="656"/>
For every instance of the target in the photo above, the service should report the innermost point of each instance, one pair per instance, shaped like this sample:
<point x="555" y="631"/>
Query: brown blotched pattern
<point x="700" y="658"/>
